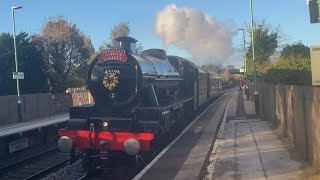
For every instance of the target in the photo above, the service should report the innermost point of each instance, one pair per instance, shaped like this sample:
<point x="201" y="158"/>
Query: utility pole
<point x="256" y="95"/>
<point x="244" y="54"/>
<point x="244" y="58"/>
<point x="16" y="62"/>
<point x="245" y="64"/>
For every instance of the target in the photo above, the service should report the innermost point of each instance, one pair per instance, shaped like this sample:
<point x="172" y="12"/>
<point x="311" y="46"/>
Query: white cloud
<point x="208" y="40"/>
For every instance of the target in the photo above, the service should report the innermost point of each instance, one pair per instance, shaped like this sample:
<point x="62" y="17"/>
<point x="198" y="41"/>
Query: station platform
<point x="21" y="127"/>
<point x="228" y="141"/>
<point x="19" y="141"/>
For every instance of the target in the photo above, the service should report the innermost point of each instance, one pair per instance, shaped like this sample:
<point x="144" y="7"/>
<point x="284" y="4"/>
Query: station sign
<point x="314" y="11"/>
<point x="234" y="71"/>
<point x="18" y="75"/>
<point x="315" y="65"/>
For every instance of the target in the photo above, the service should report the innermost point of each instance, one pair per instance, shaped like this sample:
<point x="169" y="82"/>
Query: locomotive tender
<point x="141" y="101"/>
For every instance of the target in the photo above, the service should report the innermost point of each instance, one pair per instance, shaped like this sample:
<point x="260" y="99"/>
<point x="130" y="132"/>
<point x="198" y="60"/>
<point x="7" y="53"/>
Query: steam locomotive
<point x="141" y="102"/>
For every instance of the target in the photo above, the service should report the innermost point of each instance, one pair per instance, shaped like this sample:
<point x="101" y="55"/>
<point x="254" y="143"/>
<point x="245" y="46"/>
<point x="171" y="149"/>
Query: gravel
<point x="72" y="172"/>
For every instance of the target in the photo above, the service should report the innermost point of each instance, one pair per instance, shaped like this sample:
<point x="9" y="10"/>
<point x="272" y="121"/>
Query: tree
<point x="229" y="67"/>
<point x="228" y="79"/>
<point x="121" y="29"/>
<point x="212" y="67"/>
<point x="296" y="51"/>
<point x="29" y="61"/>
<point x="64" y="50"/>
<point x="81" y="72"/>
<point x="266" y="42"/>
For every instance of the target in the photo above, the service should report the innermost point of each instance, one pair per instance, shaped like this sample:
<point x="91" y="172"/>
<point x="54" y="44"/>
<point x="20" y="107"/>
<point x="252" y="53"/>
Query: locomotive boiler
<point x="141" y="102"/>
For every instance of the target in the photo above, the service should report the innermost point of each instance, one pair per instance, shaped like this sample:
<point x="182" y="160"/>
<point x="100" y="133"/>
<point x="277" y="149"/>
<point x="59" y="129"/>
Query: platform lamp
<point x="244" y="55"/>
<point x="256" y="95"/>
<point x="13" y="8"/>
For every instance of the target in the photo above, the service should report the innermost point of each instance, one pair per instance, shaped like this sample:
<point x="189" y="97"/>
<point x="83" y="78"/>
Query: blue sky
<point x="96" y="18"/>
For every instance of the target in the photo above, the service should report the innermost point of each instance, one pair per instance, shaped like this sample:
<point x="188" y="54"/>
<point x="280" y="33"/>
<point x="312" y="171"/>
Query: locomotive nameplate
<point x="113" y="55"/>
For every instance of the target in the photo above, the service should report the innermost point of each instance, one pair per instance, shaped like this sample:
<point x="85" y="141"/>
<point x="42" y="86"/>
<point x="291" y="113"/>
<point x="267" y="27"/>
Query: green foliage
<point x="29" y="60"/>
<point x="293" y="67"/>
<point x="81" y="72"/>
<point x="290" y="72"/>
<point x="266" y="41"/>
<point x="261" y="67"/>
<point x="296" y="51"/>
<point x="65" y="52"/>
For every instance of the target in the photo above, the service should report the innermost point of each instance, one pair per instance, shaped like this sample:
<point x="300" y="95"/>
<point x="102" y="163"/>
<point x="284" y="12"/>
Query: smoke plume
<point x="208" y="40"/>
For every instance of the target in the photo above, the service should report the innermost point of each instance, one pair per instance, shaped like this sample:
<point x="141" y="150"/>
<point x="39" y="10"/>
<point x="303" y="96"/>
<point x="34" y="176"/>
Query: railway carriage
<point x="141" y="102"/>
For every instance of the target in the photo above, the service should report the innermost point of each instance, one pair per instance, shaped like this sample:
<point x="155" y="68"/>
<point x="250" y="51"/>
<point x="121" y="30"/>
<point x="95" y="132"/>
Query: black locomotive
<point x="141" y="101"/>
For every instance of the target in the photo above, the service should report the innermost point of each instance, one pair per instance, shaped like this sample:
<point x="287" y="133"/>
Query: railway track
<point x="83" y="177"/>
<point x="36" y="166"/>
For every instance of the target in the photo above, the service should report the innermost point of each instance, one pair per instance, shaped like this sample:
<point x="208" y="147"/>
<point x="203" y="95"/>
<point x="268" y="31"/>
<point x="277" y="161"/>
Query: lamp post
<point x="245" y="63"/>
<point x="16" y="60"/>
<point x="256" y="95"/>
<point x="244" y="55"/>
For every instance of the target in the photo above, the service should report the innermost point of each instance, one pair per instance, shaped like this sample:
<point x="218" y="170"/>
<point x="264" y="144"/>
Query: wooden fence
<point x="80" y="96"/>
<point x="295" y="113"/>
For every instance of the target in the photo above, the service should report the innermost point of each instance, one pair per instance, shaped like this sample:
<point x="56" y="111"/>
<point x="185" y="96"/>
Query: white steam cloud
<point x="208" y="40"/>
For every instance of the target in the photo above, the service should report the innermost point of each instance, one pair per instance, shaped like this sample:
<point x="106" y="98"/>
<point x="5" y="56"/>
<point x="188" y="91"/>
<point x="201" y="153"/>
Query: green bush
<point x="290" y="72"/>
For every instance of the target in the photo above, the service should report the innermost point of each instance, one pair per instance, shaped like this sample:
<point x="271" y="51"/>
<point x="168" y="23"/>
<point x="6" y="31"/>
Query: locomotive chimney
<point x="126" y="42"/>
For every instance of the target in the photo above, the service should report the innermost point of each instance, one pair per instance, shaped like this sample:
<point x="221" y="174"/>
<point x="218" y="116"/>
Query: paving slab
<point x="276" y="159"/>
<point x="247" y="155"/>
<point x="249" y="105"/>
<point x="233" y="105"/>
<point x="226" y="166"/>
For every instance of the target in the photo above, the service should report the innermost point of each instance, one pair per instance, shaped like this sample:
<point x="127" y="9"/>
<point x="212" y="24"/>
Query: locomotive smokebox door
<point x="115" y="76"/>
